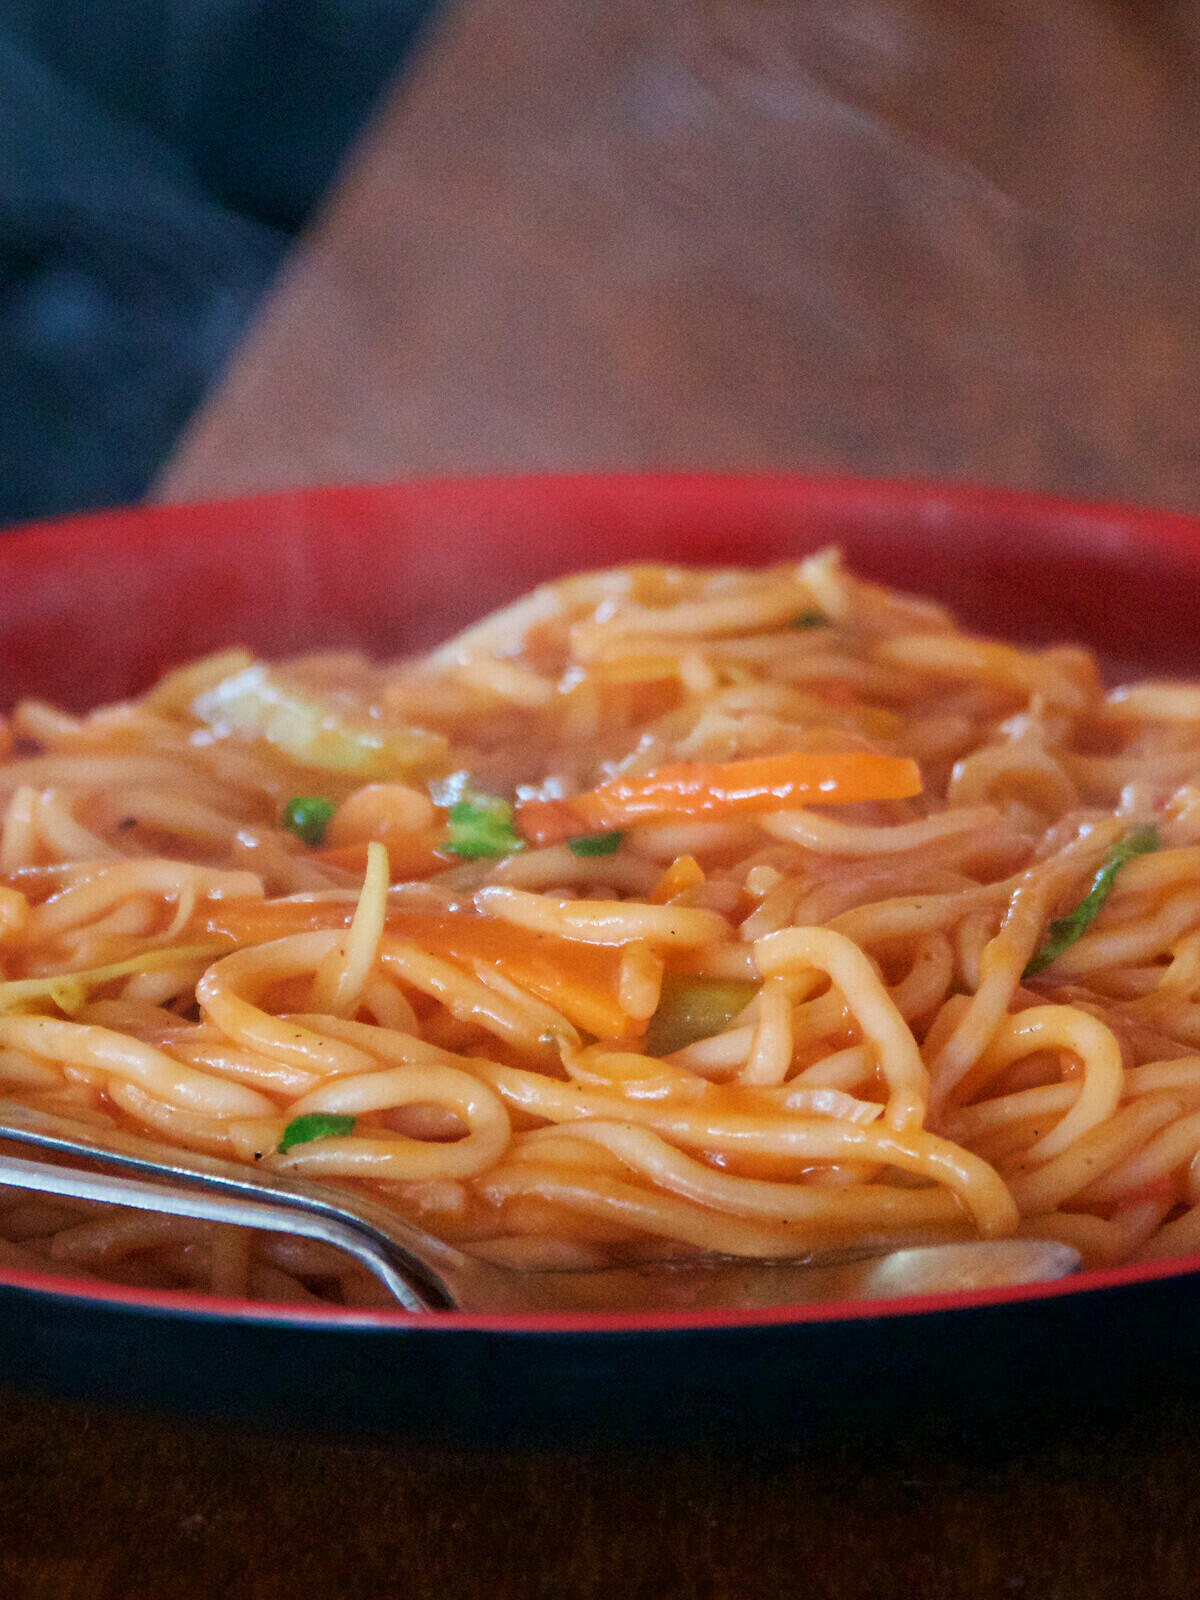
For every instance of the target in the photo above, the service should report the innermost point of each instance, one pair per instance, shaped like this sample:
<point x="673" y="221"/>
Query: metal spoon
<point x="425" y="1274"/>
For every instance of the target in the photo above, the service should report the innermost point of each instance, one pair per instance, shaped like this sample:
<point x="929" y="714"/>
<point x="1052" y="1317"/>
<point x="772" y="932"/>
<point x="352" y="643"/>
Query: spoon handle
<point x="726" y="1285"/>
<point x="275" y="1216"/>
<point x="414" y="1267"/>
<point x="424" y="1274"/>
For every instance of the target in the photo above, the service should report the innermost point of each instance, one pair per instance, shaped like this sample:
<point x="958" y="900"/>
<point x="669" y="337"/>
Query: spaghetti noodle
<point x="760" y="913"/>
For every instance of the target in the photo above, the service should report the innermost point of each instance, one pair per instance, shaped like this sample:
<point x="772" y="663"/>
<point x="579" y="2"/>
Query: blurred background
<point x="250" y="244"/>
<point x="156" y="159"/>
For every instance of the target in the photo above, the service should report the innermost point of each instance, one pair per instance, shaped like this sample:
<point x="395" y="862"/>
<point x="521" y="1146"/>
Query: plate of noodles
<point x="607" y="870"/>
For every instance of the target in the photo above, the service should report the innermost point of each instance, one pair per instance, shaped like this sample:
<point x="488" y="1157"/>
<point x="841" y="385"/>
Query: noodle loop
<point x="664" y="912"/>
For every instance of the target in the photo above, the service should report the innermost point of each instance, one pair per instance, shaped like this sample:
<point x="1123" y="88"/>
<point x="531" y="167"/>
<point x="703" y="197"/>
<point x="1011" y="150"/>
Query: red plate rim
<point x="1165" y="530"/>
<point x="184" y="1302"/>
<point x="1163" y="526"/>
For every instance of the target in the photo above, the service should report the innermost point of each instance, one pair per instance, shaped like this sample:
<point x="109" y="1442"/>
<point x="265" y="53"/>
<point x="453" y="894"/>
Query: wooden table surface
<point x="105" y="1507"/>
<point x="885" y="236"/>
<point x="897" y="237"/>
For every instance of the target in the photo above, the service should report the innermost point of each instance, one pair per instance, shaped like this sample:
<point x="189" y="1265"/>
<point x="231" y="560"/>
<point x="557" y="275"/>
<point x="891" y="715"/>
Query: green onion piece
<point x="314" y="1125"/>
<point x="811" y="619"/>
<point x="481" y="826"/>
<point x="694" y="1008"/>
<point x="595" y="844"/>
<point x="307" y="816"/>
<point x="1063" y="933"/>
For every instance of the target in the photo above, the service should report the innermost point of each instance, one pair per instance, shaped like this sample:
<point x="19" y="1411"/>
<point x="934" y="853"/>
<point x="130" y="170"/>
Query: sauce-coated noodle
<point x="668" y="911"/>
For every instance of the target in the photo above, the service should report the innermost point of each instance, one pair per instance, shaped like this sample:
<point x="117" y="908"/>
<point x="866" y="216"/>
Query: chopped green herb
<point x="307" y="816"/>
<point x="694" y="1008"/>
<point x="811" y="619"/>
<point x="595" y="844"/>
<point x="1063" y="933"/>
<point x="481" y="826"/>
<point x="314" y="1125"/>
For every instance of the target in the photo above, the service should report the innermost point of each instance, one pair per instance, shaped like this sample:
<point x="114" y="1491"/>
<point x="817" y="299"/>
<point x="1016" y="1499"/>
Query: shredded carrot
<point x="1161" y="1190"/>
<point x="580" y="980"/>
<point x="349" y="857"/>
<point x="725" y="789"/>
<point x="410" y="855"/>
<point x="548" y="821"/>
<point x="685" y="872"/>
<point x="247" y="922"/>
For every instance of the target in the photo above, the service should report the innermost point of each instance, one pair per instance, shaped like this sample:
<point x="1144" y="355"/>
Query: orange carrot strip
<point x="685" y="872"/>
<point x="726" y="789"/>
<point x="350" y="857"/>
<point x="247" y="922"/>
<point x="548" y="821"/>
<point x="580" y="980"/>
<point x="410" y="855"/>
<point x="1162" y="1190"/>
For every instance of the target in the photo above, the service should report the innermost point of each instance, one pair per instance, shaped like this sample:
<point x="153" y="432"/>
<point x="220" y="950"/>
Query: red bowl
<point x="92" y="608"/>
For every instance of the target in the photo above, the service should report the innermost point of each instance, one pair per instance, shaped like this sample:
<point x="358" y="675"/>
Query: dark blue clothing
<point x="154" y="160"/>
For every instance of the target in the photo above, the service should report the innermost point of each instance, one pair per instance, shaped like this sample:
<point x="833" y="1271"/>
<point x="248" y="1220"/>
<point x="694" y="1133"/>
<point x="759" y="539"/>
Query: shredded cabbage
<point x="313" y="730"/>
<point x="69" y="990"/>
